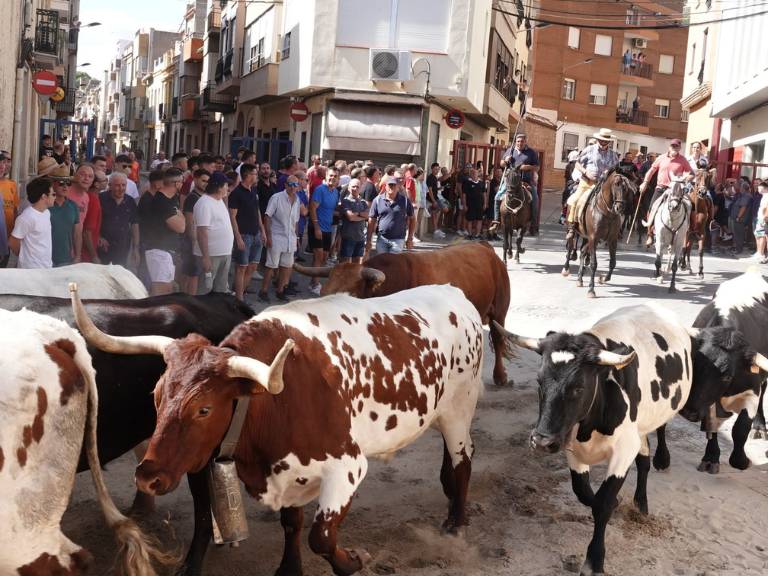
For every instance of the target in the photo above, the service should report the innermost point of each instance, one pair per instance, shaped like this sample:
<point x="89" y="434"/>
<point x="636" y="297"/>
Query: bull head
<point x="354" y="279"/>
<point x="268" y="376"/>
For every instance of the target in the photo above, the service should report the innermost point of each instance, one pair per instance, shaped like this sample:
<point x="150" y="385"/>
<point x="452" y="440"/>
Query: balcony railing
<point x="213" y="102"/>
<point x="175" y="106"/>
<point x="228" y="62"/>
<point x="67" y="105"/>
<point x="638" y="69"/>
<point x="630" y="116"/>
<point x="47" y="32"/>
<point x="214" y="20"/>
<point x="219" y="70"/>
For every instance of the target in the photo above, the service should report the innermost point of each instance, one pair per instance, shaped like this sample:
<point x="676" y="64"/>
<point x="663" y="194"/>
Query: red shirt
<point x="92" y="223"/>
<point x="316" y="176"/>
<point x="669" y="167"/>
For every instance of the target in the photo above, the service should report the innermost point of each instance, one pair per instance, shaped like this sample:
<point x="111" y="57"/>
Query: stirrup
<point x="494" y="225"/>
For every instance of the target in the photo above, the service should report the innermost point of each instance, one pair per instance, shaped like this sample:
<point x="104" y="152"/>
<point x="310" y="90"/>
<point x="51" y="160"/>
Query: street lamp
<point x="587" y="61"/>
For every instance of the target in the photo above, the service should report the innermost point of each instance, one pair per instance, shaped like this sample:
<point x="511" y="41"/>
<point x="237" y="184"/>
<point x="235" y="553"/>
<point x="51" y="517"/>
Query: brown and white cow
<point x="332" y="382"/>
<point x="472" y="267"/>
<point x="47" y="395"/>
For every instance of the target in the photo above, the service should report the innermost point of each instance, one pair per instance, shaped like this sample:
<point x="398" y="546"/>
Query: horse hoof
<point x="601" y="280"/>
<point x="700" y="276"/>
<point x="517" y="260"/>
<point x="672" y="290"/>
<point x="565" y="272"/>
<point x="591" y="294"/>
<point x="659" y="279"/>
<point x="522" y="250"/>
<point x="580" y="284"/>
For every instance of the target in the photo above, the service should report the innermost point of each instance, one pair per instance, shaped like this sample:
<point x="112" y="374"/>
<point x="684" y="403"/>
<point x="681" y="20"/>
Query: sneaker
<point x="332" y="260"/>
<point x="439" y="234"/>
<point x="257" y="276"/>
<point x="726" y="237"/>
<point x="299" y="258"/>
<point x="756" y="257"/>
<point x="282" y="296"/>
<point x="315" y="289"/>
<point x="764" y="260"/>
<point x="416" y="240"/>
<point x="264" y="297"/>
<point x="461" y="233"/>
<point x="562" y="220"/>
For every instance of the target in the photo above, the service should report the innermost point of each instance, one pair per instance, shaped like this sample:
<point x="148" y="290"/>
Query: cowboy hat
<point x="47" y="165"/>
<point x="604" y="134"/>
<point x="61" y="172"/>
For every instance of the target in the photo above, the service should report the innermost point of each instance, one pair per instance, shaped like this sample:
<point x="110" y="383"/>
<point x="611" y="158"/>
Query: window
<point x="573" y="37"/>
<point x="286" y="46"/>
<point x="633" y="17"/>
<point x="598" y="94"/>
<point x="570" y="141"/>
<point x="666" y="64"/>
<point x="603" y="45"/>
<point x="684" y="115"/>
<point x="569" y="89"/>
<point x="693" y="58"/>
<point x="258" y="42"/>
<point x="396" y="24"/>
<point x="621" y="145"/>
<point x="503" y="71"/>
<point x="662" y="108"/>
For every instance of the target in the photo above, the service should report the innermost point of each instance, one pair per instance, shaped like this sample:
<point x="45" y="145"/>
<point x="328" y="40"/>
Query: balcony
<point x="190" y="108"/>
<point x="193" y="45"/>
<point x="638" y="74"/>
<point x="47" y="39"/>
<point x="214" y="101"/>
<point x="259" y="83"/>
<point x="214" y="20"/>
<point x="631" y="117"/>
<point x="497" y="107"/>
<point x="66" y="107"/>
<point x="227" y="75"/>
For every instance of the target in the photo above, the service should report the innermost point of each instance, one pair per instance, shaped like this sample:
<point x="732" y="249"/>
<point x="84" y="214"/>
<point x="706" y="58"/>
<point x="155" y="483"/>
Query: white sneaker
<point x="756" y="257"/>
<point x="461" y="232"/>
<point x="438" y="234"/>
<point x="315" y="289"/>
<point x="332" y="260"/>
<point x="416" y="240"/>
<point x="257" y="276"/>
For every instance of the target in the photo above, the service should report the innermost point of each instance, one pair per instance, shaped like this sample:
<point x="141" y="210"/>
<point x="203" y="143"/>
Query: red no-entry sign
<point x="299" y="111"/>
<point x="454" y="119"/>
<point x="44" y="82"/>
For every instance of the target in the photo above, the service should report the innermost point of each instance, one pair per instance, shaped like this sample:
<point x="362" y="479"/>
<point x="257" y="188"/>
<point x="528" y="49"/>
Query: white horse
<point x="671" y="223"/>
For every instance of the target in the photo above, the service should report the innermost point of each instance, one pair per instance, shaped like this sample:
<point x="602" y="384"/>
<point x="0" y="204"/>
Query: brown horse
<point x="601" y="221"/>
<point x="701" y="215"/>
<point x="515" y="212"/>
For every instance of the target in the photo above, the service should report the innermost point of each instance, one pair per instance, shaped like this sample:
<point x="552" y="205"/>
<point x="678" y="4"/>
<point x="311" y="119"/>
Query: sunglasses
<point x="292" y="184"/>
<point x="391" y="184"/>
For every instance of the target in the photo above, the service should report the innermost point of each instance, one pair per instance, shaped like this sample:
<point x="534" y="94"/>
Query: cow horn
<point x="606" y="358"/>
<point x="372" y="275"/>
<point x="314" y="272"/>
<point x="529" y="343"/>
<point x="269" y="376"/>
<point x="761" y="362"/>
<point x="113" y="344"/>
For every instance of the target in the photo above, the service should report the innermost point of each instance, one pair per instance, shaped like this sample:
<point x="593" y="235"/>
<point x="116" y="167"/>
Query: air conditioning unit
<point x="640" y="43"/>
<point x="392" y="65"/>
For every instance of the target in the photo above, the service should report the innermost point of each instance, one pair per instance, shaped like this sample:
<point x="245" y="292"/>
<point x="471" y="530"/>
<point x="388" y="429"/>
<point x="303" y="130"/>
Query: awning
<point x="375" y="128"/>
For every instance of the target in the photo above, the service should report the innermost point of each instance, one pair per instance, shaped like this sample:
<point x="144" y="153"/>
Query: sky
<point x="119" y="21"/>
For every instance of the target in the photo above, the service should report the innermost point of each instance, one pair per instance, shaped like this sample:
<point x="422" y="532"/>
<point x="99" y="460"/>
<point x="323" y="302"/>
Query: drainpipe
<point x="18" y="152"/>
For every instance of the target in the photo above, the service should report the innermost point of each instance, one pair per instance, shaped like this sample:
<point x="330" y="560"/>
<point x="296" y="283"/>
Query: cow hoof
<point x="672" y="290"/>
<point x="586" y="570"/>
<point x="661" y="461"/>
<point x="642" y="507"/>
<point x="758" y="433"/>
<point x="504" y="383"/>
<point x="289" y="571"/>
<point x="522" y="250"/>
<point x="700" y="276"/>
<point x="740" y="462"/>
<point x="580" y="283"/>
<point x="591" y="294"/>
<point x="565" y="272"/>
<point x="601" y="280"/>
<point x="711" y="467"/>
<point x="517" y="260"/>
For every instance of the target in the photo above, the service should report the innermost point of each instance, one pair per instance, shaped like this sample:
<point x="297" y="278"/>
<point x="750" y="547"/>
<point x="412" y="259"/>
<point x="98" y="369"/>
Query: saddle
<point x="582" y="203"/>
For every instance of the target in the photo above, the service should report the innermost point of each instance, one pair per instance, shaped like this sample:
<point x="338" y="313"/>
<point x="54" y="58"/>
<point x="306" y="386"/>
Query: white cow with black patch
<point x="601" y="392"/>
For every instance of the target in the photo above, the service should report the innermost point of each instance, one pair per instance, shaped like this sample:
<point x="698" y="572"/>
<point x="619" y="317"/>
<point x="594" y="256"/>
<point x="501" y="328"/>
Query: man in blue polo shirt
<point x="394" y="215"/>
<point x="325" y="201"/>
<point x="528" y="161"/>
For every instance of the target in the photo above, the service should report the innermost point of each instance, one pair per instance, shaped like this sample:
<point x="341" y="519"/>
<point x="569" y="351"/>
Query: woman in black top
<point x="475" y="199"/>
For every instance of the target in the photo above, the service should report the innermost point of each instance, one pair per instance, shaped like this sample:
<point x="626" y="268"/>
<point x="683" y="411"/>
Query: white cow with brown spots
<point x="47" y="394"/>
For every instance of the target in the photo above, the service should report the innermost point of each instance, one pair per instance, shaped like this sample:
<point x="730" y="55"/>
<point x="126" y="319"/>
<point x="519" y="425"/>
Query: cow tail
<point x="136" y="551"/>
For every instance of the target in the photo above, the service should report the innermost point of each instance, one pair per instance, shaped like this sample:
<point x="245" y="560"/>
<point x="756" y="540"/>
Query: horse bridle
<point x="682" y="221"/>
<point x="612" y="209"/>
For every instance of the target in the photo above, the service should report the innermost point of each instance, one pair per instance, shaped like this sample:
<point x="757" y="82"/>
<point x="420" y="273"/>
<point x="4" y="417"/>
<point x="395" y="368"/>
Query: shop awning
<point x="368" y="127"/>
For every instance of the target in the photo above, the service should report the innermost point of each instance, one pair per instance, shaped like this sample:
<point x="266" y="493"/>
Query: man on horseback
<point x="595" y="160"/>
<point x="526" y="160"/>
<point x="669" y="166"/>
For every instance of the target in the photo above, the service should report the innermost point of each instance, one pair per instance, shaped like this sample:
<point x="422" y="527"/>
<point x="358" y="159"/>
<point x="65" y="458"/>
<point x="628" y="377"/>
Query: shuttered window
<point x="598" y="94"/>
<point x="370" y="31"/>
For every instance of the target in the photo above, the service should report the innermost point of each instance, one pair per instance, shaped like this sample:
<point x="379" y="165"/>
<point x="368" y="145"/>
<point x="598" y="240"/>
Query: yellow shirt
<point x="10" y="196"/>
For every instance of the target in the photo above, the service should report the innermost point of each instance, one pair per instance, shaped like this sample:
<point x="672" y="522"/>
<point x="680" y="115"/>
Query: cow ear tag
<point x="755" y="369"/>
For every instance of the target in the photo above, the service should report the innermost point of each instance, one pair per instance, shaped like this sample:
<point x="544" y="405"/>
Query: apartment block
<point x="582" y="84"/>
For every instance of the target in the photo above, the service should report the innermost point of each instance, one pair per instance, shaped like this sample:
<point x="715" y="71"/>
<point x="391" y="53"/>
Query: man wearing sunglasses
<point x="280" y="222"/>
<point x="393" y="215"/>
<point x="124" y="164"/>
<point x="324" y="203"/>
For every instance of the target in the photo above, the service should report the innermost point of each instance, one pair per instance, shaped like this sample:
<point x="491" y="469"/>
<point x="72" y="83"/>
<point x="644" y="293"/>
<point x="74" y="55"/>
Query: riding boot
<point x="496" y="217"/>
<point x="649" y="238"/>
<point x="571" y="234"/>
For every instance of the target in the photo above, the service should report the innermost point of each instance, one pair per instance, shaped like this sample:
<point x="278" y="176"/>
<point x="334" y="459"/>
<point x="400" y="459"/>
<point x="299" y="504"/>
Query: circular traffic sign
<point x="454" y="118"/>
<point x="44" y="82"/>
<point x="299" y="111"/>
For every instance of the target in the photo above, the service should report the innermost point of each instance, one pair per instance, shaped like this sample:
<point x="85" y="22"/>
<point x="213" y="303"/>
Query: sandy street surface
<point x="525" y="519"/>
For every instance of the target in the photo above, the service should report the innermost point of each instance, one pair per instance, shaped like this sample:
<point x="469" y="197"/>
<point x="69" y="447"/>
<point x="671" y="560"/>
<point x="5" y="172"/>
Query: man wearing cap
<point x="593" y="162"/>
<point x="393" y="215"/>
<point x="527" y="161"/>
<point x="66" y="222"/>
<point x="668" y="166"/>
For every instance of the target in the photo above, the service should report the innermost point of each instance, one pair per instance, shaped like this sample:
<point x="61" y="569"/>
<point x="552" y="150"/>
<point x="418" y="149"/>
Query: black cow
<point x="125" y="383"/>
<point x="740" y="305"/>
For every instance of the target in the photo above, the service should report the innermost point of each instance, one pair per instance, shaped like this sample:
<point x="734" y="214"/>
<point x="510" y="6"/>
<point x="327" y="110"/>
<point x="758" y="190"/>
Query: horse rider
<point x="669" y="166"/>
<point x="526" y="160"/>
<point x="595" y="160"/>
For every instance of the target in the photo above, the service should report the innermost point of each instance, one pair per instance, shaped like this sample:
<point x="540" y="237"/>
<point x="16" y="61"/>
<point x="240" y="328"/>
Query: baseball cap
<point x="4" y="155"/>
<point x="676" y="142"/>
<point x="218" y="179"/>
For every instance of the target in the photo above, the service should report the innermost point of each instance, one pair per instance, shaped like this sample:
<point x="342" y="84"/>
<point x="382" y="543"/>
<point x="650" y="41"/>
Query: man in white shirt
<point x="213" y="229"/>
<point x="280" y="222"/>
<point x="123" y="164"/>
<point x="31" y="236"/>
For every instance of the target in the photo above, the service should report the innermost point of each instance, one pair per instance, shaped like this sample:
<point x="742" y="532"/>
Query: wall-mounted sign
<point x="454" y="118"/>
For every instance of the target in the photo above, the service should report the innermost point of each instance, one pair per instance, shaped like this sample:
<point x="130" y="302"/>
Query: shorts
<point x="387" y="246"/>
<point x="277" y="258"/>
<point x="190" y="264"/>
<point x="160" y="266"/>
<point x="760" y="229"/>
<point x="315" y="244"/>
<point x="474" y="208"/>
<point x="352" y="248"/>
<point x="251" y="254"/>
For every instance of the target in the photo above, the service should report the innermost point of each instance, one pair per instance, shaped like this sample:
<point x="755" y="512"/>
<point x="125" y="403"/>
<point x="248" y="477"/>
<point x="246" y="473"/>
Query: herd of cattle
<point x="390" y="351"/>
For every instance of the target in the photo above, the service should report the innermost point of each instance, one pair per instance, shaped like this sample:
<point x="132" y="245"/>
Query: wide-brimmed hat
<point x="47" y="165"/>
<point x="604" y="134"/>
<point x="61" y="172"/>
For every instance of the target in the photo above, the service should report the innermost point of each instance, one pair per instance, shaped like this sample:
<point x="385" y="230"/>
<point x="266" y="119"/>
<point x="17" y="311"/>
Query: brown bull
<point x="473" y="267"/>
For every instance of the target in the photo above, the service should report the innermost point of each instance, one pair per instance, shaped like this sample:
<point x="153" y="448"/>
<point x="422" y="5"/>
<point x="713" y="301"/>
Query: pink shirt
<point x="80" y="200"/>
<point x="669" y="167"/>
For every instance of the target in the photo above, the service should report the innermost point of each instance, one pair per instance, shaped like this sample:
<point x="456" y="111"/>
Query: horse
<point x="701" y="215"/>
<point x="671" y="223"/>
<point x="601" y="221"/>
<point x="515" y="212"/>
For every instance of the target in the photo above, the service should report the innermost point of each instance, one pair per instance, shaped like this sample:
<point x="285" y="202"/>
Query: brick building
<point x="581" y="84"/>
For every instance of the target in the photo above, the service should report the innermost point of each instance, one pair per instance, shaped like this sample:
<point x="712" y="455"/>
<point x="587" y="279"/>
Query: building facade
<point x="582" y="83"/>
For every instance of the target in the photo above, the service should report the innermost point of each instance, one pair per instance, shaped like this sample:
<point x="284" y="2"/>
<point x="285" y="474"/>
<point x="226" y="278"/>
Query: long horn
<point x="606" y="358"/>
<point x="760" y="362"/>
<point x="113" y="344"/>
<point x="529" y="343"/>
<point x="271" y="377"/>
<point x="372" y="275"/>
<point x="314" y="272"/>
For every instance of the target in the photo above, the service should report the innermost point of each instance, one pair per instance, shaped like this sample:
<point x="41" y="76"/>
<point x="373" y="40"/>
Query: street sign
<point x="299" y="111"/>
<point x="44" y="82"/>
<point x="454" y="118"/>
